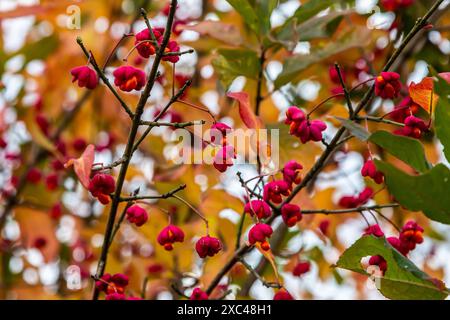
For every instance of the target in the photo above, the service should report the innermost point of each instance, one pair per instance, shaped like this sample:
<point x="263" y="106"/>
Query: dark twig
<point x="130" y="142"/>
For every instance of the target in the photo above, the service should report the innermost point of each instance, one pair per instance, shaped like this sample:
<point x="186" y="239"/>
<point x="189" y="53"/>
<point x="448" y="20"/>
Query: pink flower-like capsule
<point x="369" y="170"/>
<point x="365" y="195"/>
<point x="258" y="234"/>
<point x="169" y="235"/>
<point x="128" y="78"/>
<point x="34" y="175"/>
<point x="394" y="5"/>
<point x="374" y="230"/>
<point x="387" y="85"/>
<point x="302" y="127"/>
<point x="273" y="191"/>
<point x="101" y="186"/>
<point x="414" y="127"/>
<point x="198" y="294"/>
<point x="115" y="296"/>
<point x="301" y="268"/>
<point x="219" y="130"/>
<point x="334" y="76"/>
<point x="294" y="114"/>
<point x="291" y="172"/>
<point x="411" y="235"/>
<point x="224" y="158"/>
<point x="258" y="207"/>
<point x="137" y="215"/>
<point x="172" y="47"/>
<point x="85" y="76"/>
<point x="311" y="130"/>
<point x="208" y="246"/>
<point x="112" y="283"/>
<point x="282" y="295"/>
<point x="291" y="214"/>
<point x="144" y="47"/>
<point x="324" y="226"/>
<point x="356" y="201"/>
<point x="397" y="244"/>
<point x="378" y="261"/>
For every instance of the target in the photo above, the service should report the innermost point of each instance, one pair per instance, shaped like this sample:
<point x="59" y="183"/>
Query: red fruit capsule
<point x="258" y="207"/>
<point x="169" y="235"/>
<point x="291" y="214"/>
<point x="128" y="78"/>
<point x="208" y="246"/>
<point x="85" y="76"/>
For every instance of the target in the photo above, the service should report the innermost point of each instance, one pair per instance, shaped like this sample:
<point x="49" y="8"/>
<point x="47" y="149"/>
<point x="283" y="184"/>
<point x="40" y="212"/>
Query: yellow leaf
<point x="422" y="94"/>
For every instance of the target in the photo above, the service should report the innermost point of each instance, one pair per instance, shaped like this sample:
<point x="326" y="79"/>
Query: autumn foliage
<point x="98" y="200"/>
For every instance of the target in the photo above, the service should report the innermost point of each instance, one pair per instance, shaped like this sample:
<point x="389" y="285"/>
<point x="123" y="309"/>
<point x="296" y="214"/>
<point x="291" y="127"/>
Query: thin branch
<point x="351" y="210"/>
<point x="178" y="53"/>
<point x="161" y="196"/>
<point x="130" y="143"/>
<point x="149" y="27"/>
<point x="161" y="114"/>
<point x="380" y="120"/>
<point x="346" y="94"/>
<point x="102" y="76"/>
<point x="179" y="125"/>
<point x="119" y="222"/>
<point x="258" y="276"/>
<point x="144" y="287"/>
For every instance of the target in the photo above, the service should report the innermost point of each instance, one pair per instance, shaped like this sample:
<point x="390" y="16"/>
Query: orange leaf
<point x="269" y="256"/>
<point x="250" y="119"/>
<point x="422" y="93"/>
<point x="83" y="165"/>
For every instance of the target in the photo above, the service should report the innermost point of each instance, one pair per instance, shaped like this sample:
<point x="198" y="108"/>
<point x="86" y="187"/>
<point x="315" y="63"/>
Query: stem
<point x="380" y="119"/>
<point x="351" y="210"/>
<point x="105" y="80"/>
<point x="161" y="114"/>
<point x="346" y="94"/>
<point x="129" y="146"/>
<point x="190" y="104"/>
<point x="257" y="276"/>
<point x="179" y="125"/>
<point x="166" y="195"/>
<point x="119" y="223"/>
<point x="149" y="27"/>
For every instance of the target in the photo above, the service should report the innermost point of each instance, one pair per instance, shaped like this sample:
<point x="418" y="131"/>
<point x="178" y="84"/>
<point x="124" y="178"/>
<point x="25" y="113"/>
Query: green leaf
<point x="402" y="279"/>
<point x="357" y="37"/>
<point x="232" y="63"/>
<point x="311" y="8"/>
<point x="290" y="33"/>
<point x="264" y="9"/>
<point x="406" y="149"/>
<point x="40" y="49"/>
<point x="427" y="192"/>
<point x="442" y="115"/>
<point x="358" y="131"/>
<point x="248" y="14"/>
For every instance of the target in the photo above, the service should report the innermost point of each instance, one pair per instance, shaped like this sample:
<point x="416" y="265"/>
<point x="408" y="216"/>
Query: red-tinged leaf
<point x="422" y="93"/>
<point x="250" y="119"/>
<point x="445" y="76"/>
<point x="224" y="32"/>
<point x="269" y="256"/>
<point x="83" y="165"/>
